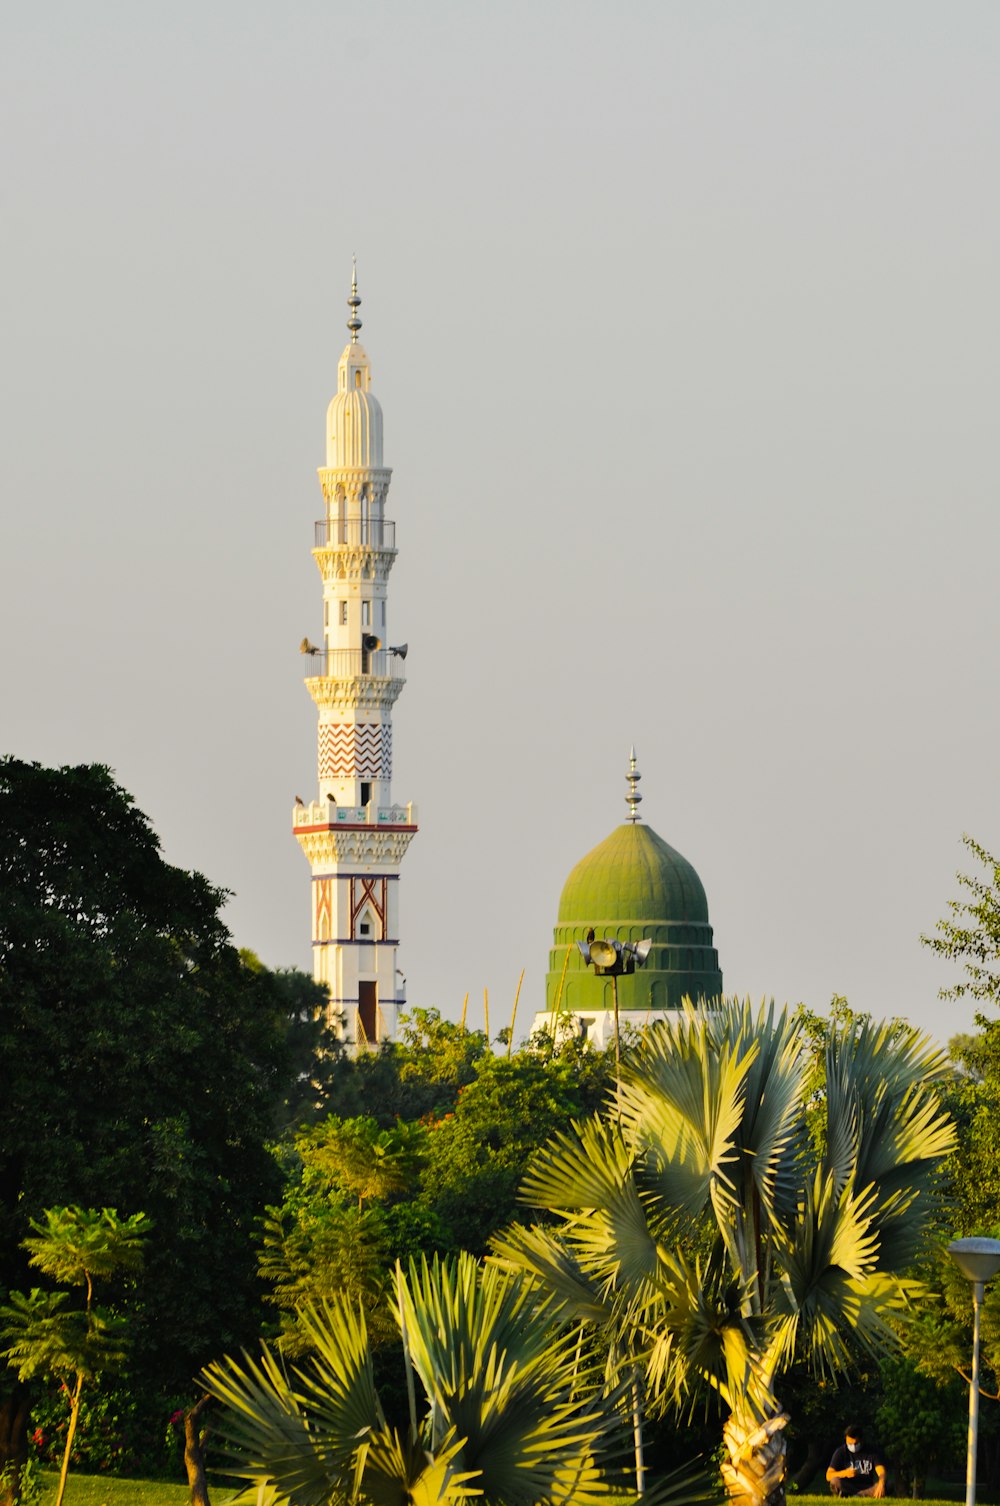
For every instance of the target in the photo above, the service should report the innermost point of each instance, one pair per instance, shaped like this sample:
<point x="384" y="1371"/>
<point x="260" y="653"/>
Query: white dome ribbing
<point x="354" y="417"/>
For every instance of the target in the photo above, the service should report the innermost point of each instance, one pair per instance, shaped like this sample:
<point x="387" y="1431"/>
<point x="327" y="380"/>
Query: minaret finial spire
<point x="354" y="303"/>
<point x="633" y="797"/>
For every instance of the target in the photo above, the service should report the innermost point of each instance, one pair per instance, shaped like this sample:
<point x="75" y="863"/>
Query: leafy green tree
<point x="358" y="1159"/>
<point x="361" y="1194"/>
<point x="145" y="1066"/>
<point x="423" y="1074"/>
<point x="314" y="1050"/>
<point x="921" y="1423"/>
<point x="970" y="933"/>
<point x="501" y="1418"/>
<point x="344" y="1220"/>
<point x="74" y="1247"/>
<point x="479" y="1152"/>
<point x="937" y="1342"/>
<point x="699" y="1218"/>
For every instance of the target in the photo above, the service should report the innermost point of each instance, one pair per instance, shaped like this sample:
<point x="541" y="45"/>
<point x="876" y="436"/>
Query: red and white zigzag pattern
<point x="355" y="750"/>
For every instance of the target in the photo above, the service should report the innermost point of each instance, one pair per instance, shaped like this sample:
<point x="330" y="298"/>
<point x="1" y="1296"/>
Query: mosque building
<point x="633" y="938"/>
<point x="637" y="892"/>
<point x="354" y="836"/>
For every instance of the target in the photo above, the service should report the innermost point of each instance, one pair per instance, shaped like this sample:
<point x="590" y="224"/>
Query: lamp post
<point x="979" y="1261"/>
<point x="611" y="959"/>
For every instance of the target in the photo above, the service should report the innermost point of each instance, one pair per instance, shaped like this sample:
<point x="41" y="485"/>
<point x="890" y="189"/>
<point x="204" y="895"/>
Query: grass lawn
<point x="106" y="1490"/>
<point x="983" y="1498"/>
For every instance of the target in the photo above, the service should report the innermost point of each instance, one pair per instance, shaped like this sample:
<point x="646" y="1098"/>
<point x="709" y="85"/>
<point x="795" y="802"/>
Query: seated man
<point x="856" y="1469"/>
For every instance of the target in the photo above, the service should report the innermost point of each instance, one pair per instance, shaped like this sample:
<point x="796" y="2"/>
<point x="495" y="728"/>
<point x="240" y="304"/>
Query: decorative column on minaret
<point x="354" y="836"/>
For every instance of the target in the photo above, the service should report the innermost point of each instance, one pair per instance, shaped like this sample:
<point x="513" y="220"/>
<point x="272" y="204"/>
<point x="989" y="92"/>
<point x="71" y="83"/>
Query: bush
<point x="119" y="1432"/>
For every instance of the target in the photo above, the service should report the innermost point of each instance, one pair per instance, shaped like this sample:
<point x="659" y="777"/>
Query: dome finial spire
<point x="633" y="797"/>
<point x="354" y="303"/>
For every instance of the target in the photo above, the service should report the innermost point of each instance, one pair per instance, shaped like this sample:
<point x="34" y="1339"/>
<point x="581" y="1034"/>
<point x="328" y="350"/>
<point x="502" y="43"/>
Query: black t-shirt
<point x="863" y="1463"/>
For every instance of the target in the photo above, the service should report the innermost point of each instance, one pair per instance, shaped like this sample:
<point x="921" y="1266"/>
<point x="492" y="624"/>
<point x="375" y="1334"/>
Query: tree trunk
<point x="15" y="1409"/>
<point x="806" y="1473"/>
<point x="74" y="1413"/>
<point x="754" y="1471"/>
<point x="194" y="1458"/>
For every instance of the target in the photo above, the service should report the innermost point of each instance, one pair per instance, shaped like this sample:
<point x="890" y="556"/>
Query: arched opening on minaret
<point x="366" y="791"/>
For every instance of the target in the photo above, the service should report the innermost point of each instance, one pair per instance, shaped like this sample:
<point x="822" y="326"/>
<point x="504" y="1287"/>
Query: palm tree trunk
<point x="754" y="1470"/>
<point x="74" y="1413"/>
<point x="640" y="1460"/>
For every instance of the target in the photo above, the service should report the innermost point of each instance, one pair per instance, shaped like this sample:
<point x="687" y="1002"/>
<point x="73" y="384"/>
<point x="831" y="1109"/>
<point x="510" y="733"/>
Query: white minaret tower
<point x="353" y="836"/>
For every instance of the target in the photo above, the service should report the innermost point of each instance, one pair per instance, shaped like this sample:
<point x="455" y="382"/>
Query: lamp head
<point x="604" y="953"/>
<point x="977" y="1259"/>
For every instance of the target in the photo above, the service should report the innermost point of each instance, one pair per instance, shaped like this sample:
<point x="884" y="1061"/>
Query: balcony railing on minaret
<point x="355" y="533"/>
<point x="353" y="664"/>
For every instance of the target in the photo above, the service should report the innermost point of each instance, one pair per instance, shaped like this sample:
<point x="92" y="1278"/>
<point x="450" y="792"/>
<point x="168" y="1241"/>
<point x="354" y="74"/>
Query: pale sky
<point x="683" y="317"/>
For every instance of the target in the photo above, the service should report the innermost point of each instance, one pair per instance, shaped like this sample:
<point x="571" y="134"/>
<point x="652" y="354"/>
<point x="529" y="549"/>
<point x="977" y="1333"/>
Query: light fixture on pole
<point x="979" y="1261"/>
<point x="614" y="959"/>
<point x="611" y="958"/>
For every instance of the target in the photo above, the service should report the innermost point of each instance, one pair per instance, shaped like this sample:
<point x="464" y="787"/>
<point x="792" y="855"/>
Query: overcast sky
<point x="684" y="320"/>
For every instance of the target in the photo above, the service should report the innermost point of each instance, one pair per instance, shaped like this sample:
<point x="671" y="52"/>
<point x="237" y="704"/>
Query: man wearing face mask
<point x="856" y="1468"/>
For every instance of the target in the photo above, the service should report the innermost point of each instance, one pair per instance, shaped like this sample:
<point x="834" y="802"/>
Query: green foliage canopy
<point x="145" y="1064"/>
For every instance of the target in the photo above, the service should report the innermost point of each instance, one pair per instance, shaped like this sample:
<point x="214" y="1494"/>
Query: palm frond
<point x="695" y="1333"/>
<point x="682" y="1098"/>
<point x="501" y="1376"/>
<point x="831" y="1297"/>
<point x="588" y="1175"/>
<point x="882" y="1082"/>
<point x="399" y="1471"/>
<point x="690" y="1485"/>
<point x="546" y="1257"/>
<point x="266" y="1434"/>
<point x="577" y="1170"/>
<point x="303" y="1433"/>
<point x="886" y="1127"/>
<point x="771" y="1138"/>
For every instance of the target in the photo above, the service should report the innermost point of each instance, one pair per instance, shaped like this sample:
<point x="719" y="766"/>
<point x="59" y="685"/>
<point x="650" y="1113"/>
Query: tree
<point x="315" y="1052"/>
<point x="478" y="1153"/>
<point x="75" y="1247"/>
<point x="921" y="1423"/>
<point x="362" y="1193"/>
<point x="503" y="1418"/>
<point x="970" y="933"/>
<point x="970" y="936"/>
<point x="937" y="1343"/>
<point x="144" y="1066"/>
<point x="700" y="1219"/>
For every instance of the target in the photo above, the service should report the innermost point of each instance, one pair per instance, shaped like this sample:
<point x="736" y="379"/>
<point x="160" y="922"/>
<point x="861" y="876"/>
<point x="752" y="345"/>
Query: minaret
<point x="353" y="835"/>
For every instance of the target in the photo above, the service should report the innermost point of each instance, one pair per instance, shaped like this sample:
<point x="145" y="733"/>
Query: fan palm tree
<point x="717" y="1223"/>
<point x="502" y="1420"/>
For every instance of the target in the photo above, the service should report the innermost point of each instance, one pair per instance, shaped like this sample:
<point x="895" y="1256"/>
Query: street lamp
<point x="979" y="1261"/>
<point x="614" y="959"/>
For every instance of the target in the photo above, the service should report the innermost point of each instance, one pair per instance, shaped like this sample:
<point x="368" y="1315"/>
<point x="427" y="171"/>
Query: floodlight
<point x="604" y="953"/>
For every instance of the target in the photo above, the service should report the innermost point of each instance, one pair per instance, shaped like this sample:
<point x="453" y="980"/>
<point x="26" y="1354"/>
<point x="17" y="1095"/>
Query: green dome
<point x="633" y="875"/>
<point x="634" y="887"/>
